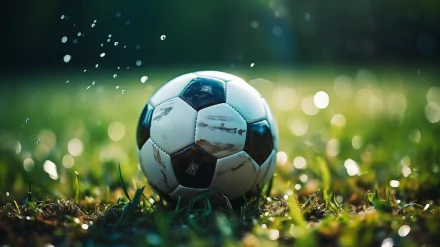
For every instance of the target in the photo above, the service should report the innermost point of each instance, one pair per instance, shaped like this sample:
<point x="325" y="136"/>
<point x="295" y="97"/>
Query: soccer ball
<point x="206" y="130"/>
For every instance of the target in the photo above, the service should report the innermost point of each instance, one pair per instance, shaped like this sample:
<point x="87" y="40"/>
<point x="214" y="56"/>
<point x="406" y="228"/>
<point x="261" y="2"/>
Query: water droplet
<point x="123" y="91"/>
<point x="102" y="44"/>
<point x="93" y="83"/>
<point x="110" y="35"/>
<point x="85" y="71"/>
<point x="137" y="47"/>
<point x="27" y="120"/>
<point x="93" y="25"/>
<point x="67" y="58"/>
<point x="115" y="75"/>
<point x="95" y="21"/>
<point x="118" y="14"/>
<point x="75" y="41"/>
<point x="62" y="17"/>
<point x="163" y="37"/>
<point x="79" y="34"/>
<point x="127" y="23"/>
<point x="67" y="81"/>
<point x="404" y="230"/>
<point x="116" y="43"/>
<point x="88" y="87"/>
<point x="117" y="87"/>
<point x="97" y="65"/>
<point x="144" y="78"/>
<point x="64" y="39"/>
<point x="108" y="40"/>
<point x="119" y="67"/>
<point x="102" y="54"/>
<point x="128" y="67"/>
<point x="125" y="46"/>
<point x="252" y="65"/>
<point x="38" y="141"/>
<point x="138" y="63"/>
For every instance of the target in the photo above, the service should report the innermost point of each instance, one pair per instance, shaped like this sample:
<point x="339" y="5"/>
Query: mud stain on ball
<point x="157" y="157"/>
<point x="163" y="112"/>
<point x="222" y="128"/>
<point x="217" y="147"/>
<point x="233" y="169"/>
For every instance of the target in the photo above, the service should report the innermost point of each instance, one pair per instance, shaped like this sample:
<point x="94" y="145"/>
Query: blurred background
<point x="353" y="84"/>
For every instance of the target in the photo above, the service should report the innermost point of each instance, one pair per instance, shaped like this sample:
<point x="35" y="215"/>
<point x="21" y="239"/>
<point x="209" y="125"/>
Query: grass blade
<point x="77" y="187"/>
<point x="123" y="184"/>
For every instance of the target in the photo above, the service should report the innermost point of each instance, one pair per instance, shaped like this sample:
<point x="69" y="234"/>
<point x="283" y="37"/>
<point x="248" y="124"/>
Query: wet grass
<point x="361" y="172"/>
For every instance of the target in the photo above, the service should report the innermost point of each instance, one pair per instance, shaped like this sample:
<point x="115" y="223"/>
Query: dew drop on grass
<point x="115" y="75"/>
<point x="144" y="79"/>
<point x="138" y="63"/>
<point x="116" y="43"/>
<point x="64" y="39"/>
<point x="67" y="58"/>
<point x="27" y="120"/>
<point x="102" y="54"/>
<point x="163" y="37"/>
<point x="38" y="141"/>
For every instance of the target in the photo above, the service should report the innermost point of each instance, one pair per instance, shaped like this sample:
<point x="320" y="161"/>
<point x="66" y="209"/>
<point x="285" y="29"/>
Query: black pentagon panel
<point x="143" y="127"/>
<point x="193" y="167"/>
<point x="202" y="92"/>
<point x="259" y="142"/>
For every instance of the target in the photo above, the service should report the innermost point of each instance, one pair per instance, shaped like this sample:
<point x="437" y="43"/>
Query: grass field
<point x="362" y="171"/>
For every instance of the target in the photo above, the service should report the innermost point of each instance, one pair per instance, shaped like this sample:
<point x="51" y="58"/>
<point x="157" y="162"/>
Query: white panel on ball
<point x="173" y="125"/>
<point x="157" y="166"/>
<point x="235" y="175"/>
<point x="219" y="75"/>
<point x="246" y="100"/>
<point x="267" y="169"/>
<point x="171" y="89"/>
<point x="220" y="130"/>
<point x="185" y="193"/>
<point x="272" y="124"/>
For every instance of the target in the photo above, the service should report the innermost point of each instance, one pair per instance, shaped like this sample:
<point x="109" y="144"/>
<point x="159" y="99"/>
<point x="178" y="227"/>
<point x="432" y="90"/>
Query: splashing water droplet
<point x="79" y="34"/>
<point x="62" y="17"/>
<point x="116" y="43"/>
<point x="67" y="81"/>
<point x="163" y="37"/>
<point x="138" y="63"/>
<point x="97" y="65"/>
<point x="93" y="83"/>
<point x="88" y="87"/>
<point x="110" y="35"/>
<point x="117" y="87"/>
<point x="85" y="71"/>
<point x="123" y="91"/>
<point x="102" y="44"/>
<point x="102" y="54"/>
<point x="144" y="78"/>
<point x="125" y="46"/>
<point x="27" y="120"/>
<point x="67" y="58"/>
<point x="119" y="67"/>
<point x="108" y="40"/>
<point x="64" y="39"/>
<point x="93" y="25"/>
<point x="252" y="65"/>
<point x="38" y="141"/>
<point x="115" y="75"/>
<point x="95" y="21"/>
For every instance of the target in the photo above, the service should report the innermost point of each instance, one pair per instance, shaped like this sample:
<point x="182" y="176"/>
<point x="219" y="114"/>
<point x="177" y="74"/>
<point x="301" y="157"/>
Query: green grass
<point x="103" y="199"/>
